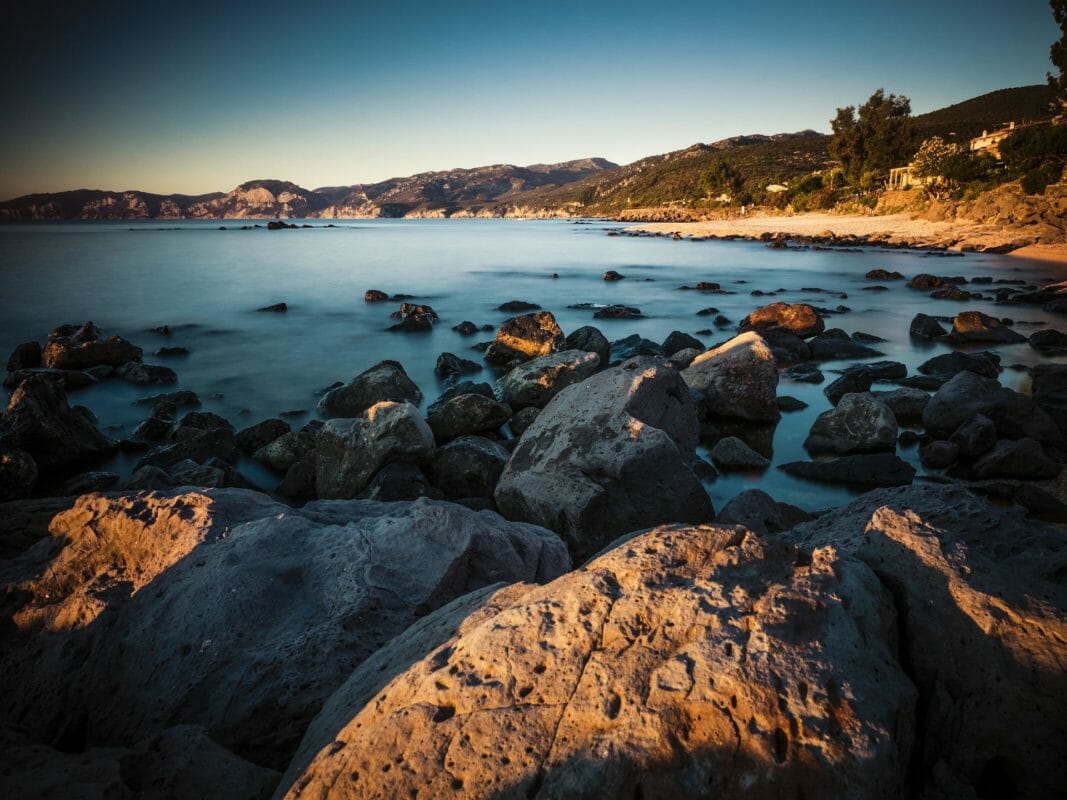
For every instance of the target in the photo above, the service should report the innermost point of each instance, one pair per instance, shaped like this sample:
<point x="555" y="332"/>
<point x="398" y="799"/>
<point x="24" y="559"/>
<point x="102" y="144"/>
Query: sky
<point x="196" y="97"/>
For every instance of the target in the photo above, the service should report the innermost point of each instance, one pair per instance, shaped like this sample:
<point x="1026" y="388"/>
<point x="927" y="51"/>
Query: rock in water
<point x="608" y="456"/>
<point x="738" y="379"/>
<point x="685" y="662"/>
<point x="81" y="347"/>
<point x="538" y="381"/>
<point x="525" y="337"/>
<point x="228" y="610"/>
<point x="760" y="513"/>
<point x="974" y="326"/>
<point x="386" y="380"/>
<point x="863" y="469"/>
<point x="960" y="399"/>
<point x="980" y="601"/>
<point x="590" y="340"/>
<point x="466" y="414"/>
<point x="732" y="453"/>
<point x="799" y="319"/>
<point x="926" y="327"/>
<point x="18" y="474"/>
<point x="860" y="423"/>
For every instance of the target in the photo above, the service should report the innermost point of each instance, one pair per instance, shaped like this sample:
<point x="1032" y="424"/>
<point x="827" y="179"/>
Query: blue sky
<point x="196" y="97"/>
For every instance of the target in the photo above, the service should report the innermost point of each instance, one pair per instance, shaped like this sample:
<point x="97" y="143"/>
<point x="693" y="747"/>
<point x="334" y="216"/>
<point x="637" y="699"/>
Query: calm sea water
<point x="206" y="284"/>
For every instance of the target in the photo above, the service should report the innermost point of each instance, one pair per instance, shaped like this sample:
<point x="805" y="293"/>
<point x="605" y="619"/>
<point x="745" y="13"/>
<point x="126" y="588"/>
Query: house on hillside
<point x="905" y="178"/>
<point x="989" y="141"/>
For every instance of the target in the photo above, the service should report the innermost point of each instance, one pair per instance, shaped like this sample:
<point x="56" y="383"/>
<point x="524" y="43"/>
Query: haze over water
<point x="206" y="284"/>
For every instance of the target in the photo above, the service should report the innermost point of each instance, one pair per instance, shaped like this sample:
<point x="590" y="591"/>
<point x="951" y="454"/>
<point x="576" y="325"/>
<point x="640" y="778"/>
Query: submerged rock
<point x="732" y="453"/>
<point x="860" y="423"/>
<point x="864" y="470"/>
<point x="926" y="327"/>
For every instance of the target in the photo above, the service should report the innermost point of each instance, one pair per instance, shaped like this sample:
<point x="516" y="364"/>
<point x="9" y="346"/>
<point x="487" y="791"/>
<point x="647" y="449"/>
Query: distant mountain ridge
<point x="583" y="186"/>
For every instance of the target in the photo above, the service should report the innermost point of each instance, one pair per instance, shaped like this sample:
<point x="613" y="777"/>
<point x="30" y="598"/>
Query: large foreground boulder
<point x="386" y="380"/>
<point x="685" y="662"/>
<point x="982" y="620"/>
<point x="608" y="456"/>
<point x="228" y="610"/>
<point x="738" y="379"/>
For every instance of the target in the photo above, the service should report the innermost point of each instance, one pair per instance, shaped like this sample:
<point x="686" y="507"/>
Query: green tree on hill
<point x="876" y="139"/>
<point x="1058" y="51"/>
<point x="721" y="178"/>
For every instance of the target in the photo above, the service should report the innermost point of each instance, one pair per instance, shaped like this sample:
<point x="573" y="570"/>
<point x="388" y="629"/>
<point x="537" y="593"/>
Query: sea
<point x="206" y="280"/>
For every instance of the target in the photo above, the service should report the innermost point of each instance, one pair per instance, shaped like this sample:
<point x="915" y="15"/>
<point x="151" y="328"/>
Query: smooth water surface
<point x="206" y="283"/>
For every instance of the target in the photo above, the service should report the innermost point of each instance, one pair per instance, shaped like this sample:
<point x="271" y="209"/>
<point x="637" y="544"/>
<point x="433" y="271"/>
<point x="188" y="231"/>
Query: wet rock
<point x="684" y="358"/>
<point x="523" y="419"/>
<point x="1049" y="390"/>
<point x="18" y="474"/>
<point x="864" y="470"/>
<point x="612" y="275"/>
<point x="760" y="513"/>
<point x="883" y="275"/>
<point x="277" y="308"/>
<point x="172" y="352"/>
<point x="219" y="443"/>
<point x="375" y="296"/>
<point x="787" y="348"/>
<point x="866" y="338"/>
<point x="386" y="380"/>
<point x="618" y="312"/>
<point x="466" y="414"/>
<point x="939" y="454"/>
<point x="925" y="327"/>
<point x="849" y="383"/>
<point x="907" y="404"/>
<point x="525" y="337"/>
<point x="449" y="364"/>
<point x="1049" y="340"/>
<point x="926" y="282"/>
<point x="350" y="451"/>
<point x="465" y="328"/>
<point x="974" y="326"/>
<point x="86" y="482"/>
<point x="678" y="340"/>
<point x="975" y="437"/>
<point x="954" y="293"/>
<point x="632" y="347"/>
<point x="66" y="379"/>
<point x="74" y="347"/>
<point x="39" y="421"/>
<point x="518" y="305"/>
<point x="707" y="312"/>
<point x="178" y="399"/>
<point x="469" y="466"/>
<point x="880" y="371"/>
<point x="1015" y="415"/>
<point x="413" y="319"/>
<point x="860" y="423"/>
<point x="26" y="356"/>
<point x="738" y="379"/>
<point x="283" y="586"/>
<point x="538" y="381"/>
<point x="146" y="374"/>
<point x="607" y="456"/>
<point x="196" y="422"/>
<point x="732" y="453"/>
<point x="395" y="482"/>
<point x="1021" y="458"/>
<point x="788" y="403"/>
<point x="629" y="678"/>
<point x="254" y="437"/>
<point x="299" y="481"/>
<point x="800" y="319"/>
<point x="158" y="425"/>
<point x="590" y="340"/>
<point x="803" y="373"/>
<point x="282" y="453"/>
<point x="986" y="364"/>
<point x="826" y="348"/>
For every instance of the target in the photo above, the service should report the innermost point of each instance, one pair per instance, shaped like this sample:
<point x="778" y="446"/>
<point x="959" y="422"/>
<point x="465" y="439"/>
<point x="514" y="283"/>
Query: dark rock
<point x="684" y="358"/>
<point x="283" y="452"/>
<point x="737" y="379"/>
<point x="858" y="424"/>
<point x="826" y="348"/>
<point x="961" y="398"/>
<point x="849" y="383"/>
<point x="466" y="414"/>
<point x="299" y="481"/>
<point x="1049" y="340"/>
<point x="375" y="296"/>
<point x="396" y="482"/>
<point x="73" y="347"/>
<point x="732" y="453"/>
<point x="466" y="328"/>
<point x="986" y="364"/>
<point x="469" y="466"/>
<point x="536" y="382"/>
<point x="787" y="404"/>
<point x="787" y="347"/>
<point x="178" y="399"/>
<point x="954" y="293"/>
<point x="214" y="443"/>
<point x="261" y="434"/>
<point x="26" y="356"/>
<point x="867" y="470"/>
<point x="590" y="340"/>
<point x="517" y="305"/>
<point x="939" y="454"/>
<point x="523" y="419"/>
<point x="617" y="312"/>
<point x="707" y="312"/>
<point x="170" y="352"/>
<point x="277" y="308"/>
<point x="907" y="404"/>
<point x="65" y="379"/>
<point x="1021" y="458"/>
<point x="386" y="380"/>
<point x="800" y="319"/>
<point x="759" y="512"/>
<point x="926" y="282"/>
<point x="18" y="474"/>
<point x="1049" y="390"/>
<point x="677" y="340"/>
<point x="974" y="326"/>
<point x="926" y="327"/>
<point x="146" y="374"/>
<point x="88" y="482"/>
<point x="883" y="275"/>
<point x="633" y="346"/>
<point x="196" y="422"/>
<point x="975" y="437"/>
<point x="449" y="364"/>
<point x="612" y="275"/>
<point x="524" y="337"/>
<point x="803" y="373"/>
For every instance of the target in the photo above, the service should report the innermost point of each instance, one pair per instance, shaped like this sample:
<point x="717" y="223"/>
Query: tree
<point x="1037" y="155"/>
<point x="1058" y="52"/>
<point x="878" y="138"/>
<point x="933" y="158"/>
<point x="721" y="178"/>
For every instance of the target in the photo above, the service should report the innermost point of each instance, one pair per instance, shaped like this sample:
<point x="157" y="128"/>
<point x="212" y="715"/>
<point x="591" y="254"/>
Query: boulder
<point x="590" y="340"/>
<point x="217" y="443"/>
<point x="386" y="380"/>
<point x="18" y="474"/>
<point x="39" y="421"/>
<point x="375" y="296"/>
<point x="863" y="470"/>
<point x="974" y="326"/>
<point x="985" y="363"/>
<point x="67" y="379"/>
<point x="608" y="456"/>
<point x="466" y="414"/>
<point x="145" y="374"/>
<point x="683" y="358"/>
<point x="975" y="437"/>
<point x="926" y="327"/>
<point x="834" y="348"/>
<point x="525" y="337"/>
<point x="1049" y="341"/>
<point x="685" y="662"/>
<point x="86" y="482"/>
<point x="282" y="453"/>
<point x="254" y="437"/>
<point x="907" y="404"/>
<point x="738" y="379"/>
<point x="350" y="451"/>
<point x="1049" y="390"/>
<point x="800" y="319"/>
<point x="399" y="482"/>
<point x="883" y="275"/>
<point x="469" y="466"/>
<point x="617" y="312"/>
<point x="25" y="522"/>
<point x="732" y="453"/>
<point x="517" y="305"/>
<point x="925" y="282"/>
<point x="536" y="382"/>
<point x="632" y="347"/>
<point x="859" y="423"/>
<point x="449" y="364"/>
<point x="612" y="275"/>
<point x="679" y="340"/>
<point x="523" y="419"/>
<point x="939" y="454"/>
<point x="760" y="513"/>
<point x="81" y="347"/>
<point x="228" y="610"/>
<point x="26" y="356"/>
<point x="849" y="383"/>
<point x="196" y="422"/>
<point x="1019" y="458"/>
<point x="1015" y="415"/>
<point x="804" y="373"/>
<point x="787" y="347"/>
<point x="979" y="599"/>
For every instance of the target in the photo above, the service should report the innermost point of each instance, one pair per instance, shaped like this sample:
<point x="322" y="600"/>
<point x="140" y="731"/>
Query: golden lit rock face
<point x="527" y="336"/>
<point x="799" y="319"/>
<point x="687" y="661"/>
<point x="738" y="379"/>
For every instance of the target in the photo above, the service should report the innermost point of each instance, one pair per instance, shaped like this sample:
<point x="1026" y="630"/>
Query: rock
<point x="66" y="379"/>
<point x="214" y="443"/>
<point x="148" y="477"/>
<point x="146" y="374"/>
<point x="907" y="404"/>
<point x="246" y="595"/>
<point x="1049" y="390"/>
<point x="788" y="403"/>
<point x="517" y="305"/>
<point x="632" y="347"/>
<point x="525" y="337"/>
<point x="395" y="482"/>
<point x="849" y="383"/>
<point x="939" y="454"/>
<point x="469" y="466"/>
<point x="787" y="348"/>
<point x="158" y="425"/>
<point x="466" y="414"/>
<point x="196" y="422"/>
<point x="350" y="451"/>
<point x="732" y="453"/>
<point x="523" y="419"/>
<point x="1021" y="458"/>
<point x="282" y="453"/>
<point x="961" y="398"/>
<point x="738" y="379"/>
<point x="299" y="481"/>
<point x="465" y="328"/>
<point x="538" y="381"/>
<point x="883" y="275"/>
<point x="954" y="293"/>
<point x="277" y="308"/>
<point x="386" y="380"/>
<point x="590" y="340"/>
<point x="1048" y="340"/>
<point x="677" y="341"/>
<point x="632" y="677"/>
<point x="171" y="352"/>
<point x="866" y="470"/>
<point x="413" y="319"/>
<point x="26" y="356"/>
<point x="88" y="482"/>
<point x="608" y="456"/>
<point x="617" y="312"/>
<point x="803" y="373"/>
<point x="860" y="423"/>
<point x="449" y="364"/>
<point x="975" y="437"/>
<point x="924" y="327"/>
<point x="986" y="364"/>
<point x="39" y="421"/>
<point x="73" y="347"/>
<point x="261" y="434"/>
<point x="684" y="358"/>
<point x="926" y="282"/>
<point x="375" y="296"/>
<point x="800" y="319"/>
<point x="178" y="399"/>
<point x="760" y="513"/>
<point x="612" y="275"/>
<point x="974" y="326"/>
<point x="25" y="522"/>
<point x="980" y="602"/>
<point x="826" y="348"/>
<point x="18" y="474"/>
